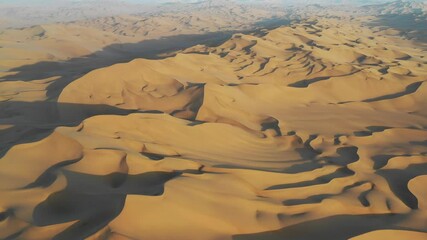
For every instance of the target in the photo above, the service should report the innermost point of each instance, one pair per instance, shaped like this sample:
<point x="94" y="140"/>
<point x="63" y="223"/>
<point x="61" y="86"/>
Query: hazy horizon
<point x="291" y="2"/>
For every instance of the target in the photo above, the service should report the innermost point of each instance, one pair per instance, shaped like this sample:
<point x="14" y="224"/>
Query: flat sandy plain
<point x="216" y="121"/>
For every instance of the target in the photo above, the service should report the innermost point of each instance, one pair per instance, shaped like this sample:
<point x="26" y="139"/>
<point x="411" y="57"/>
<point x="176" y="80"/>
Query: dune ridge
<point x="316" y="130"/>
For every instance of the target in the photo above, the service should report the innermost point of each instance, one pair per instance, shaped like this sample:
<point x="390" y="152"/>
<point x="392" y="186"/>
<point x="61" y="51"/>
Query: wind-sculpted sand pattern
<point x="315" y="130"/>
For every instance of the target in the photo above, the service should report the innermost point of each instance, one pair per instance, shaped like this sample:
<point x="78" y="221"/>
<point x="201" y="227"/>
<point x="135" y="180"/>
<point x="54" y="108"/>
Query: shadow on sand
<point x="32" y="121"/>
<point x="326" y="228"/>
<point x="412" y="25"/>
<point x="93" y="201"/>
<point x="74" y="68"/>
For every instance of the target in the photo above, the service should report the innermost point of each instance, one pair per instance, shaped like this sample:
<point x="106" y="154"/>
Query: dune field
<point x="217" y="121"/>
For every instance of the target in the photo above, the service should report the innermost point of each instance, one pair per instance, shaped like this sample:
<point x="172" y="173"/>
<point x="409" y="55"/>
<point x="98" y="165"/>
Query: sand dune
<point x="316" y="130"/>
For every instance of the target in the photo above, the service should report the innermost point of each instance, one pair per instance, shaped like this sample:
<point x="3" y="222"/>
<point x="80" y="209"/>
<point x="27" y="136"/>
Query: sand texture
<point x="311" y="130"/>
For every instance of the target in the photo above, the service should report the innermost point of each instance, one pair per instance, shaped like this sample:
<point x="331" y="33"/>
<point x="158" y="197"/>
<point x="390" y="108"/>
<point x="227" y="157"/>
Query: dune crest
<point x="316" y="130"/>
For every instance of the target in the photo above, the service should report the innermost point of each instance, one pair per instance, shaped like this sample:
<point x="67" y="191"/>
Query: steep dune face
<point x="133" y="86"/>
<point x="315" y="130"/>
